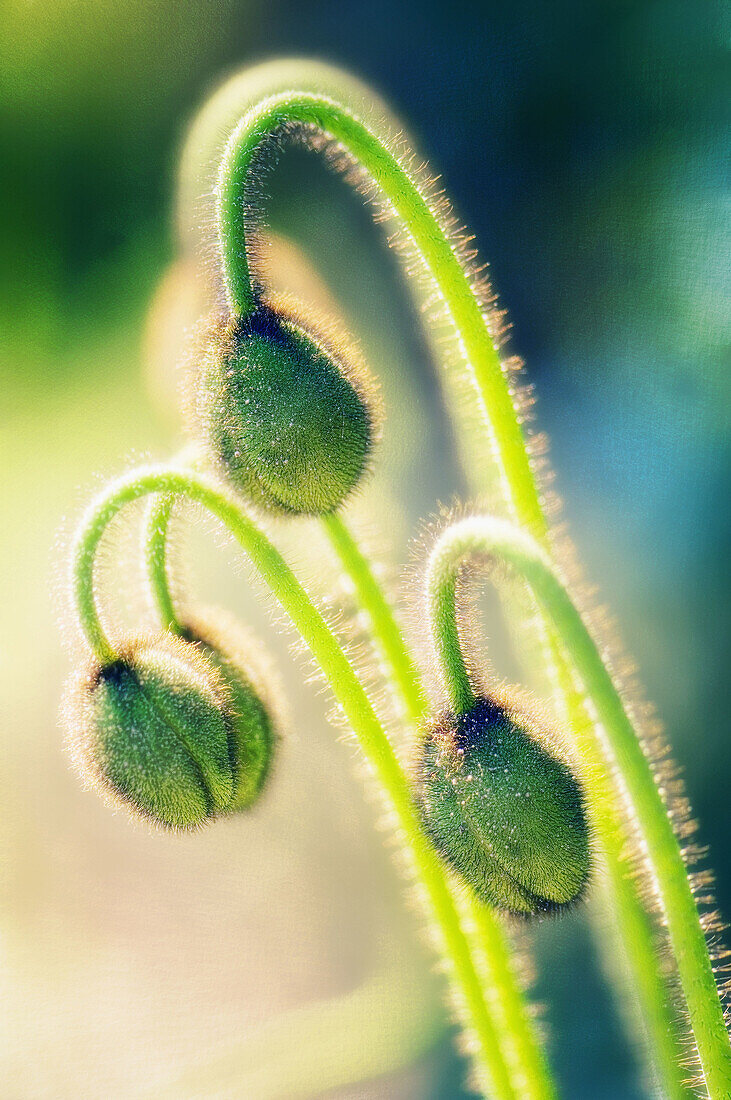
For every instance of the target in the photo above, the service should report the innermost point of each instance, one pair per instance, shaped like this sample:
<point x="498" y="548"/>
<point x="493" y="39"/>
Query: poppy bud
<point x="154" y="730"/>
<point x="284" y="413"/>
<point x="503" y="810"/>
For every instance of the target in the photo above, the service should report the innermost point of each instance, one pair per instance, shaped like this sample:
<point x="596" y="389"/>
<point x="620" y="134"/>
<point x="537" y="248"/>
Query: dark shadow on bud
<point x="285" y="411"/>
<point x="503" y="810"/>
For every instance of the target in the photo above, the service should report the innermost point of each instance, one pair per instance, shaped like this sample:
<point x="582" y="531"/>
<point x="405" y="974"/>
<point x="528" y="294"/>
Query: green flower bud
<point x="505" y="812"/>
<point x="155" y="731"/>
<point x="231" y="651"/>
<point x="284" y="413"/>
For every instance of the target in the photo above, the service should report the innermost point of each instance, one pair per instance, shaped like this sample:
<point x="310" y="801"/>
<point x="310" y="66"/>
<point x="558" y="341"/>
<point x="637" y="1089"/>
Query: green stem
<point x="490" y="436"/>
<point x="507" y="545"/>
<point x="443" y="620"/>
<point x="522" y="1056"/>
<point x="156" y="546"/>
<point x="414" y="210"/>
<point x="352" y="698"/>
<point x="484" y="928"/>
<point x="386" y="630"/>
<point x="524" y="1059"/>
<point x="648" y="987"/>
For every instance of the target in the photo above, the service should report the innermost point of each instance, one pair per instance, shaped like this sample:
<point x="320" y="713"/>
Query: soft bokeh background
<point x="583" y="145"/>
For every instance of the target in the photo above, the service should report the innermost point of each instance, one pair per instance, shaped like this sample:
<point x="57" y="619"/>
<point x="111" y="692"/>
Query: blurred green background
<point x="583" y="144"/>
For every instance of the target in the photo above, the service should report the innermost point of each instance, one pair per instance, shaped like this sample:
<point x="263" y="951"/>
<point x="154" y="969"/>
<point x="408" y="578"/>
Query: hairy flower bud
<point x="284" y="413"/>
<point x="239" y="661"/>
<point x="505" y="812"/>
<point x="155" y="730"/>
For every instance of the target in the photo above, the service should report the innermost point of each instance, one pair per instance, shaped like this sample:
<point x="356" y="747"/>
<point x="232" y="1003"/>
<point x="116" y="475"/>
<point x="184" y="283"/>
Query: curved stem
<point x="385" y="628"/>
<point x="490" y="944"/>
<point x="633" y="925"/>
<point x="489" y="436"/>
<point x="412" y="207"/>
<point x="522" y="1056"/>
<point x="352" y="699"/>
<point x="83" y="580"/>
<point x="488" y="938"/>
<point x="445" y="629"/>
<point x="507" y="545"/>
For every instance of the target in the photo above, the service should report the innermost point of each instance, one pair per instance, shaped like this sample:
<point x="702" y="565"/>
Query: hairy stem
<point x="507" y="545"/>
<point x="488" y="938"/>
<point x="491" y="947"/>
<point x="411" y="206"/>
<point x="386" y="631"/>
<point x="156" y="546"/>
<point x="352" y="698"/>
<point x="488" y="433"/>
<point x="649" y="989"/>
<point x="489" y="943"/>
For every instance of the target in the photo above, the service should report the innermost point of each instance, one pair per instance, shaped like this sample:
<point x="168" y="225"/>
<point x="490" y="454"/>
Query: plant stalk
<point x="492" y="1075"/>
<point x="506" y="544"/>
<point x="490" y="942"/>
<point x="496" y="428"/>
